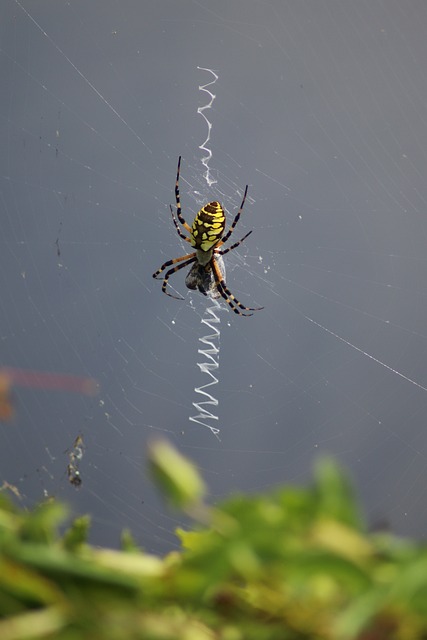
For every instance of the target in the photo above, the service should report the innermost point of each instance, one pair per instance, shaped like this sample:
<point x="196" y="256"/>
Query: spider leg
<point x="235" y="221"/>
<point x="185" y="260"/>
<point x="180" y="233"/>
<point x="225" y="292"/>
<point x="168" y="263"/>
<point x="233" y="246"/>
<point x="178" y="200"/>
<point x="173" y="261"/>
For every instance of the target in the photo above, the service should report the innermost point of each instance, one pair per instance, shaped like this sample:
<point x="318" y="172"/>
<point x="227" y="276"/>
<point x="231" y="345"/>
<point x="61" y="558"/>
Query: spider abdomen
<point x="208" y="227"/>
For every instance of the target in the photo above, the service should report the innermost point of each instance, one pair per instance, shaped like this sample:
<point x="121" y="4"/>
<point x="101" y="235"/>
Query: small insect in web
<point x="198" y="278"/>
<point x="74" y="456"/>
<point x="206" y="236"/>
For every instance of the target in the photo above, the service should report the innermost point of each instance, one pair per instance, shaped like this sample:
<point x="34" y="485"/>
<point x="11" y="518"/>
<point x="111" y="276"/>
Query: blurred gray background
<point x="321" y="107"/>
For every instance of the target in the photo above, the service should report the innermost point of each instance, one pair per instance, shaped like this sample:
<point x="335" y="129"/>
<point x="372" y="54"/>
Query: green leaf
<point x="334" y="494"/>
<point x="77" y="534"/>
<point x="175" y="475"/>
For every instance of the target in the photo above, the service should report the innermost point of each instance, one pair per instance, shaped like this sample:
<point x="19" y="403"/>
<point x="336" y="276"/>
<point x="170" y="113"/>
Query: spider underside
<point x="207" y="273"/>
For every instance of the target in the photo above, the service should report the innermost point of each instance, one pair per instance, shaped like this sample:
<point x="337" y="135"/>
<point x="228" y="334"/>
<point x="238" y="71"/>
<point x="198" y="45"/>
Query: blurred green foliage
<point x="293" y="564"/>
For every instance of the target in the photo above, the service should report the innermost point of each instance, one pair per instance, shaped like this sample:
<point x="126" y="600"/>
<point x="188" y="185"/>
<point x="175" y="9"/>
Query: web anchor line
<point x="367" y="355"/>
<point x="210" y="352"/>
<point x="200" y="110"/>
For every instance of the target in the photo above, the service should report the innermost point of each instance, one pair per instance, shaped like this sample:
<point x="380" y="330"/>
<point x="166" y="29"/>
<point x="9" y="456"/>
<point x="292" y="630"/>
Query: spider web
<point x="321" y="109"/>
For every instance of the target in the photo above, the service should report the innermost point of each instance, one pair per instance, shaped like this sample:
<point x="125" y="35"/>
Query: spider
<point x="206" y="238"/>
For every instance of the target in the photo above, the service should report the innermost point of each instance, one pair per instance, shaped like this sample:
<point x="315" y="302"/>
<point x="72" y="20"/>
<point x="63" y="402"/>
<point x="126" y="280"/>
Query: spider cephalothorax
<point x="206" y="236"/>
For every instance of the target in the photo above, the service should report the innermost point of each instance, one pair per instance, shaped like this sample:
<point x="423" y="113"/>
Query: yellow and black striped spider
<point x="206" y="238"/>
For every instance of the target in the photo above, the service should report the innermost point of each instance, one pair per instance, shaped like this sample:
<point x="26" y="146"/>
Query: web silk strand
<point x="210" y="351"/>
<point x="205" y="160"/>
